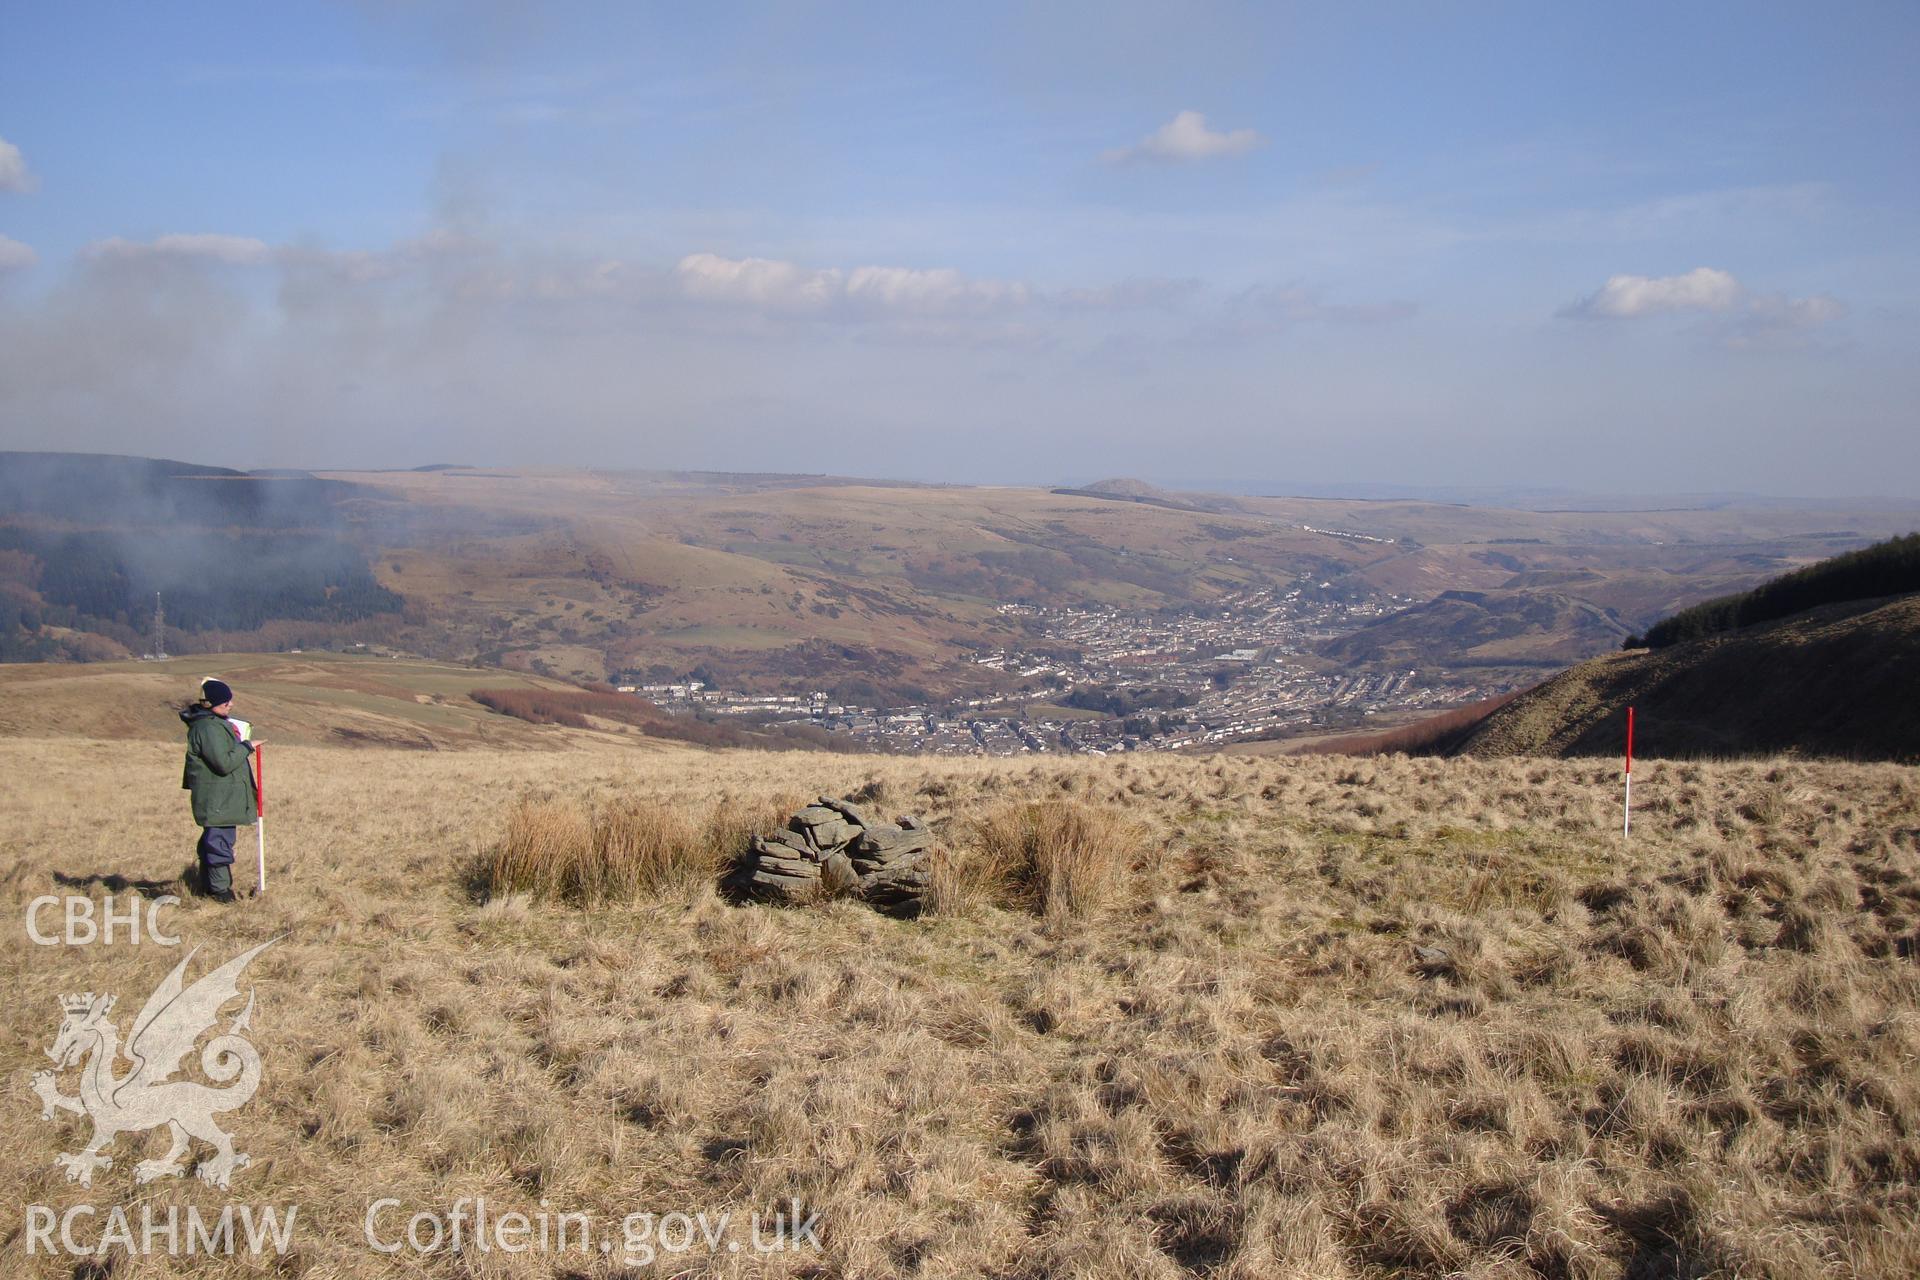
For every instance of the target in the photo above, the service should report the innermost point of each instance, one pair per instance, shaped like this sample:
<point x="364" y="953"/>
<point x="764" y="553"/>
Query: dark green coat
<point x="219" y="772"/>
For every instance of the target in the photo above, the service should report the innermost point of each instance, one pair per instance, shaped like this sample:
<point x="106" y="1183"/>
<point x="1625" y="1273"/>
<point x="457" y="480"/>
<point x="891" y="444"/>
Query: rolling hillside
<point x="1837" y="681"/>
<point x="767" y="582"/>
<point x="1485" y="628"/>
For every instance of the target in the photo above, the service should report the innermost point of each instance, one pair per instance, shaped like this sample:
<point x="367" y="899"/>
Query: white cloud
<point x="937" y="292"/>
<point x="238" y="251"/>
<point x="761" y="282"/>
<point x="1185" y="137"/>
<point x="1622" y="297"/>
<point x="1745" y="318"/>
<point x="14" y="174"/>
<point x="14" y="255"/>
<point x="772" y="285"/>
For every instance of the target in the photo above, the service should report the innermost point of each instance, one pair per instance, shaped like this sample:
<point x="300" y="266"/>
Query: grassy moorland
<point x="1323" y="1018"/>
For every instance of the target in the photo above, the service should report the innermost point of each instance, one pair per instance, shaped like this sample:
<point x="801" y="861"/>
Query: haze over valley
<point x="944" y="619"/>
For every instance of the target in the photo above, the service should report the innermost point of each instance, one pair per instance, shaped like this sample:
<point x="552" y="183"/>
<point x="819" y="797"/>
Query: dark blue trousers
<point x="216" y="859"/>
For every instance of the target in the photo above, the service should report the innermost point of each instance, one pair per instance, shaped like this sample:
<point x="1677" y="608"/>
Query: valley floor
<point x="1345" y="1018"/>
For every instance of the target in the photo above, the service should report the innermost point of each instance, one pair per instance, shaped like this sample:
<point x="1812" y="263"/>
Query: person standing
<point x="220" y="776"/>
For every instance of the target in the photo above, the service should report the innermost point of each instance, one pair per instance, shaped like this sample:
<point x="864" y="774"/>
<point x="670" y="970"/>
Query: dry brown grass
<point x="541" y="851"/>
<point x="621" y="850"/>
<point x="1429" y="735"/>
<point x="1058" y="858"/>
<point x="1339" y="1018"/>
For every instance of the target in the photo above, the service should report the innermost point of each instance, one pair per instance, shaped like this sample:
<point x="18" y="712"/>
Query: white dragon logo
<point x="169" y="1023"/>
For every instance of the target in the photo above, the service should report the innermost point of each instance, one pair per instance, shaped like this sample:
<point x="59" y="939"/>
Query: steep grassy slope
<point x="1412" y="1018"/>
<point x="1841" y="681"/>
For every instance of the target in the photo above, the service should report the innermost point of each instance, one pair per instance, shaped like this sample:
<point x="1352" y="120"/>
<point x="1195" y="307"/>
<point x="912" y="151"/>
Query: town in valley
<point x="1092" y="680"/>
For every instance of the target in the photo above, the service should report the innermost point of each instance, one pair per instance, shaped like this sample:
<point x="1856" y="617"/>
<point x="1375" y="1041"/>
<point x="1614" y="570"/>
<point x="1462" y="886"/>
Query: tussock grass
<point x="1057" y="858"/>
<point x="541" y="851"/>
<point x="622" y="850"/>
<point x="636" y="848"/>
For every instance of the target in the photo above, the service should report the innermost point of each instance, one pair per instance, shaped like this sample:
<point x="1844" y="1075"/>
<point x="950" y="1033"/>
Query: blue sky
<point x="1641" y="248"/>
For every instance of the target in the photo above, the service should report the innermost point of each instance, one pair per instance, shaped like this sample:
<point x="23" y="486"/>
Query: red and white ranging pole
<point x="1626" y="807"/>
<point x="260" y="811"/>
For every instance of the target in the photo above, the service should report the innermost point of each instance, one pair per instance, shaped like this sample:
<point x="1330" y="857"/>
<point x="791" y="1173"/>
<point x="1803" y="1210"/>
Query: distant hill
<point x="1841" y="680"/>
<point x="1484" y="628"/>
<point x="87" y="542"/>
<point x="871" y="591"/>
<point x="1121" y="489"/>
<point x="1125" y="487"/>
<point x="87" y="489"/>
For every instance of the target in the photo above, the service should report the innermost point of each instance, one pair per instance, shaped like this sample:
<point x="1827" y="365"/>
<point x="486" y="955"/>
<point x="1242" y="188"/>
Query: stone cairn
<point x="832" y="848"/>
